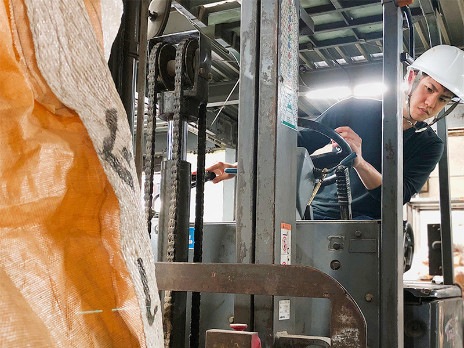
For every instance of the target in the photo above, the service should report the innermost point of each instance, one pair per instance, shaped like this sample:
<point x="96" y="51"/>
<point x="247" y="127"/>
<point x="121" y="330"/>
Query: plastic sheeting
<point x="75" y="261"/>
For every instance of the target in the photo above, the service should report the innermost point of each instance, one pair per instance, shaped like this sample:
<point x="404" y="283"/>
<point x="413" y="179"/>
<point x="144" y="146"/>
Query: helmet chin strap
<point x="446" y="113"/>
<point x="409" y="118"/>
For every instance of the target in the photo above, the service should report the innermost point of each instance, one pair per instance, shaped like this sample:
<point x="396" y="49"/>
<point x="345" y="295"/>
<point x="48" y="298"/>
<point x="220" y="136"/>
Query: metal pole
<point x="141" y="83"/>
<point x="445" y="196"/>
<point x="445" y="208"/>
<point x="182" y="141"/>
<point x="246" y="148"/>
<point x="276" y="160"/>
<point x="391" y="260"/>
<point x="266" y="170"/>
<point x="124" y="56"/>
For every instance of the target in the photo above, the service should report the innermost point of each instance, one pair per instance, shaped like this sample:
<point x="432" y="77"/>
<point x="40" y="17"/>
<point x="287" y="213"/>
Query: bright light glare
<point x="340" y="92"/>
<point x="369" y="90"/>
<point x="221" y="3"/>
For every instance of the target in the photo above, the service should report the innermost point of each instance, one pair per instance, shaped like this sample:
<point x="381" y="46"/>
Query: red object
<point x="239" y="327"/>
<point x="255" y="341"/>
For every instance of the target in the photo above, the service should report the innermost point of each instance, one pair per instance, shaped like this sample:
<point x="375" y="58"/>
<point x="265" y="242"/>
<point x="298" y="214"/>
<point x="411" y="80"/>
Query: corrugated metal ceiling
<point x="345" y="46"/>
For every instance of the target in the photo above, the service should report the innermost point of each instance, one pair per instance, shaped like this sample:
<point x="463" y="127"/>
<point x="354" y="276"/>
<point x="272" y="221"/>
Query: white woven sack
<point x="73" y="64"/>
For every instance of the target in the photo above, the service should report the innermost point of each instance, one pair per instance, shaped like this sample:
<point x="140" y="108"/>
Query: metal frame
<point x="266" y="147"/>
<point x="246" y="148"/>
<point x="445" y="207"/>
<point x="347" y="327"/>
<point x="266" y="196"/>
<point x="391" y="260"/>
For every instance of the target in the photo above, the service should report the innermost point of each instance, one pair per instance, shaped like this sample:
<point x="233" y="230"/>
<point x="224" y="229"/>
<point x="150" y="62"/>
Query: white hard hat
<point x="445" y="64"/>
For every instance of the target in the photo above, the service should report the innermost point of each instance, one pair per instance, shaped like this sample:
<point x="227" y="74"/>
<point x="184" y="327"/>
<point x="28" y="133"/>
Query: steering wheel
<point x="330" y="156"/>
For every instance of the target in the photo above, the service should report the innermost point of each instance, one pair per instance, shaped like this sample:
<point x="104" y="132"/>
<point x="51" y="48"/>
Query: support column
<point x="246" y="148"/>
<point x="266" y="186"/>
<point x="445" y="195"/>
<point x="276" y="164"/>
<point x="445" y="208"/>
<point x="391" y="259"/>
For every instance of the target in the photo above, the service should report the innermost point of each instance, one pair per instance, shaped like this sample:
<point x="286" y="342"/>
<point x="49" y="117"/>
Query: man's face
<point x="428" y="99"/>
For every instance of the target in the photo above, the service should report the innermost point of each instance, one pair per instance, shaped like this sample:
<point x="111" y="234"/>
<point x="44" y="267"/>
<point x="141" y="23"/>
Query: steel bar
<point x="445" y="207"/>
<point x="198" y="234"/>
<point x="266" y="171"/>
<point x="347" y="325"/>
<point x="124" y="57"/>
<point x="445" y="193"/>
<point x="246" y="178"/>
<point x="141" y="84"/>
<point x="391" y="259"/>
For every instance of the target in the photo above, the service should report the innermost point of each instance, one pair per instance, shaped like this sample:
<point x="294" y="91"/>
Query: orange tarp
<point x="63" y="279"/>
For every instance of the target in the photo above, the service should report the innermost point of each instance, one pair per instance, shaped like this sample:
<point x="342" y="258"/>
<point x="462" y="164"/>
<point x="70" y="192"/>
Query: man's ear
<point x="408" y="81"/>
<point x="411" y="76"/>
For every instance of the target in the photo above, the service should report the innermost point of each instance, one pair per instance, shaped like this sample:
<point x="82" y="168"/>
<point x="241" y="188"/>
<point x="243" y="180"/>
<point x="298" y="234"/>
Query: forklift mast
<point x="361" y="259"/>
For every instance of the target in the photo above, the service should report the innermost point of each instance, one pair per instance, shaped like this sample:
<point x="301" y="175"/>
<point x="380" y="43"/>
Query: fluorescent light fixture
<point x="220" y="3"/>
<point x="359" y="58"/>
<point x="321" y="64"/>
<point x="339" y="92"/>
<point x="369" y="90"/>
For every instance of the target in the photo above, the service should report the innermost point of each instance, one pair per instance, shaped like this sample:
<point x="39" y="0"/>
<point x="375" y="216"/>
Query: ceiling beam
<point x="443" y="30"/>
<point x="325" y="9"/>
<point x="363" y="52"/>
<point x="305" y="60"/>
<point x="419" y="31"/>
<point x="342" y="54"/>
<point x="343" y="41"/>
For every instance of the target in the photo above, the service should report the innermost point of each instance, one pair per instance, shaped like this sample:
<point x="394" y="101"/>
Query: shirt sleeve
<point x="417" y="169"/>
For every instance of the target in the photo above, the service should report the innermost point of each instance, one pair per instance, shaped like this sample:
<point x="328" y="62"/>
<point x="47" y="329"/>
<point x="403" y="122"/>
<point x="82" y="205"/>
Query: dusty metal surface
<point x="391" y="242"/>
<point x="227" y="338"/>
<point x="284" y="340"/>
<point x="347" y="326"/>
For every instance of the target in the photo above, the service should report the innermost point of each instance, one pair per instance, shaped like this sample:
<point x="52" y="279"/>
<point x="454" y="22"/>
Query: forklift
<point x="290" y="282"/>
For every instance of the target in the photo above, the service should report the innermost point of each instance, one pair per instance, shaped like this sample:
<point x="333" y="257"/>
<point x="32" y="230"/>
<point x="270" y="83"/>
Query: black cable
<point x="412" y="49"/>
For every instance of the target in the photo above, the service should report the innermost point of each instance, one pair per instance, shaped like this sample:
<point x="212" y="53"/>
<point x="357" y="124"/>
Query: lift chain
<point x="176" y="156"/>
<point x="149" y="161"/>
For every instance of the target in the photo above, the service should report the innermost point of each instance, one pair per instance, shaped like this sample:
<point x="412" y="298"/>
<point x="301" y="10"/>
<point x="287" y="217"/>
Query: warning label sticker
<point x="284" y="309"/>
<point x="285" y="244"/>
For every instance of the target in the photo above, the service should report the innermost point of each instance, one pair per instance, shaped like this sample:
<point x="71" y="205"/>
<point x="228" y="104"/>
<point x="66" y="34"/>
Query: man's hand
<point x="369" y="176"/>
<point x="353" y="140"/>
<point x="219" y="168"/>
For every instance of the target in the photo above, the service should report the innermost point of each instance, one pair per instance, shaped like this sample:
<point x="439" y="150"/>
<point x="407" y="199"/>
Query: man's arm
<point x="370" y="177"/>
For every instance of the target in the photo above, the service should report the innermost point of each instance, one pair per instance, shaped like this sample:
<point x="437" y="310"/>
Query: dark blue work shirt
<point x="421" y="153"/>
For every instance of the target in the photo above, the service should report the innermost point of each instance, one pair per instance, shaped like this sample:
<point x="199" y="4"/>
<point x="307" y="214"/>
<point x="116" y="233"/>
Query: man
<point x="435" y="79"/>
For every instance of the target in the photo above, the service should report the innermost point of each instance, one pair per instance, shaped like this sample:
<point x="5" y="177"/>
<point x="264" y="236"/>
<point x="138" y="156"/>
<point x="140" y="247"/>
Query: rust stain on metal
<point x="345" y="316"/>
<point x="243" y="251"/>
<point x="348" y="338"/>
<point x="347" y="325"/>
<point x="390" y="153"/>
